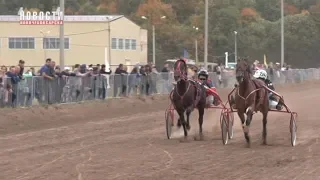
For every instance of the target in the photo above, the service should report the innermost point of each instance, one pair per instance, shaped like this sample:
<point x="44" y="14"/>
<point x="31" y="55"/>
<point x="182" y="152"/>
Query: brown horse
<point x="251" y="96"/>
<point x="186" y="96"/>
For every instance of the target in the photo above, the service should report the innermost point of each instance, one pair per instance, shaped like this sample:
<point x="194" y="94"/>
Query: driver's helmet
<point x="260" y="73"/>
<point x="203" y="72"/>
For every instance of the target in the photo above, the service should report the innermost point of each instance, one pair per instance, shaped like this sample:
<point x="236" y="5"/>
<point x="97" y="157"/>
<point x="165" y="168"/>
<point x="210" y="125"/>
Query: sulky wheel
<point x="293" y="130"/>
<point x="230" y="125"/>
<point x="224" y="128"/>
<point x="169" y="122"/>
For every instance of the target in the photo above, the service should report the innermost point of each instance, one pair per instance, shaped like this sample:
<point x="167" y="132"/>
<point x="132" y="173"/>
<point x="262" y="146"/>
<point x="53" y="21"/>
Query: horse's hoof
<point x="188" y="127"/>
<point x="245" y="129"/>
<point x="200" y="138"/>
<point x="185" y="139"/>
<point x="179" y="125"/>
<point x="264" y="143"/>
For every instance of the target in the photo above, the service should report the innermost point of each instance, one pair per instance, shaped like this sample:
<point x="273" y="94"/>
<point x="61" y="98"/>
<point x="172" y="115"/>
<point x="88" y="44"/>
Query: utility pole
<point x="235" y="47"/>
<point x="153" y="45"/>
<point x="282" y="34"/>
<point x="196" y="44"/>
<point x="62" y="35"/>
<point x="153" y="38"/>
<point x="109" y="40"/>
<point x="206" y="21"/>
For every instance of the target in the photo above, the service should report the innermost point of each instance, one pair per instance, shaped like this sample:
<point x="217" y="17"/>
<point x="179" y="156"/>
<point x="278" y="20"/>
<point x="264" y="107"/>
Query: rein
<point x="181" y="96"/>
<point x="183" y="77"/>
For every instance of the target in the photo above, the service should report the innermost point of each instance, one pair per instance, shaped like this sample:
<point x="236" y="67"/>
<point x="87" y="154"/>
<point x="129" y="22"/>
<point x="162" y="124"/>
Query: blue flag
<point x="185" y="53"/>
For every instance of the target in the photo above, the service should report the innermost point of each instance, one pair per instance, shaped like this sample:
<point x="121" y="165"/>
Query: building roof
<point x="81" y="18"/>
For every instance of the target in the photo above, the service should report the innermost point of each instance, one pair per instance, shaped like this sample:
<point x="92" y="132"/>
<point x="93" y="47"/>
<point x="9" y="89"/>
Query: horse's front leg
<point x="183" y="123"/>
<point x="243" y="122"/>
<point x="201" y="113"/>
<point x="188" y="118"/>
<point x="264" y="131"/>
<point x="246" y="125"/>
<point x="179" y="123"/>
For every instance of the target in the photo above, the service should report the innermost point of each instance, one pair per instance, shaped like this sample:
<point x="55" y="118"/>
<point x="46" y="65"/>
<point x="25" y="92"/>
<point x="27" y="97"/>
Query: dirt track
<point x="125" y="139"/>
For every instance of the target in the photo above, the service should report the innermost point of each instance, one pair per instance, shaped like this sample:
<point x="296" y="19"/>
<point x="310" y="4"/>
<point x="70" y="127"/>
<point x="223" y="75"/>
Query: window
<point x="114" y="43"/>
<point x="133" y="44"/>
<point x="54" y="43"/>
<point x="120" y="44"/>
<point x="127" y="43"/>
<point x="21" y="43"/>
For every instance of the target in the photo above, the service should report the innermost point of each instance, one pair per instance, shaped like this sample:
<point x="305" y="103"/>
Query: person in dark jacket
<point x="13" y="75"/>
<point x="21" y="65"/>
<point x="117" y="80"/>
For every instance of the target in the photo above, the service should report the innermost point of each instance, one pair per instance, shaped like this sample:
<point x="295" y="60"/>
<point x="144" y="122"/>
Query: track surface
<point x="81" y="142"/>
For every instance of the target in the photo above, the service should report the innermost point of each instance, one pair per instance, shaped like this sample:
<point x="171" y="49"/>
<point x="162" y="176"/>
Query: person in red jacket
<point x="203" y="76"/>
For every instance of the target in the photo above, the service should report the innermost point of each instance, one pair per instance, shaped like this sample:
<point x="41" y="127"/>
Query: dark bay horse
<point x="249" y="98"/>
<point x="186" y="96"/>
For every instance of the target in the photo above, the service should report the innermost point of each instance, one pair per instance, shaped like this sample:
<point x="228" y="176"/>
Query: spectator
<point x="13" y="75"/>
<point x="4" y="69"/>
<point x="143" y="80"/>
<point x="21" y="67"/>
<point x="270" y="71"/>
<point x="27" y="74"/>
<point x="66" y="95"/>
<point x="104" y="81"/>
<point x="47" y="72"/>
<point x="218" y="70"/>
<point x="147" y="80"/>
<point x="124" y="80"/>
<point x="117" y="80"/>
<point x="165" y="76"/>
<point x="81" y="81"/>
<point x="98" y="67"/>
<point x="24" y="88"/>
<point x="33" y="71"/>
<point x="4" y="88"/>
<point x="153" y="80"/>
<point x="133" y="82"/>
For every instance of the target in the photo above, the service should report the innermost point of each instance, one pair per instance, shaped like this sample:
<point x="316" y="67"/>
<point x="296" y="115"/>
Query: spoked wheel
<point x="230" y="125"/>
<point x="169" y="122"/>
<point x="224" y="128"/>
<point x="293" y="130"/>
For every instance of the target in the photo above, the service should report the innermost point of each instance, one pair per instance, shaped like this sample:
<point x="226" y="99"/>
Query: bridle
<point x="245" y="74"/>
<point x="182" y="77"/>
<point x="178" y="72"/>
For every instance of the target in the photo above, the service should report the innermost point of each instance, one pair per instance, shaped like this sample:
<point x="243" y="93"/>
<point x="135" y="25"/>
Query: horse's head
<point x="243" y="70"/>
<point x="180" y="70"/>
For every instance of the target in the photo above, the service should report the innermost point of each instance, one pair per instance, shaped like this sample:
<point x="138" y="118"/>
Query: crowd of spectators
<point x="50" y="84"/>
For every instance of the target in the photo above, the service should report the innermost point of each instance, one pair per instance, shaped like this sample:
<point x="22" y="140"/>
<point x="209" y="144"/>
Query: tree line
<point x="256" y="21"/>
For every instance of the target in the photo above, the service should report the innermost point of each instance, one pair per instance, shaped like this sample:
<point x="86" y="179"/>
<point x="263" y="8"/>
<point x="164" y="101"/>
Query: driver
<point x="203" y="76"/>
<point x="262" y="75"/>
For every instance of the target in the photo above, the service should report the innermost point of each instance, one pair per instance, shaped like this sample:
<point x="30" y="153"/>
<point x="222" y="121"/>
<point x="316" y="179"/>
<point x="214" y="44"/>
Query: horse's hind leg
<point x="264" y="132"/>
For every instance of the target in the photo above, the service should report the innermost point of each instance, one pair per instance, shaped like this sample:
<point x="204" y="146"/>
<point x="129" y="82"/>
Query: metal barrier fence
<point x="37" y="90"/>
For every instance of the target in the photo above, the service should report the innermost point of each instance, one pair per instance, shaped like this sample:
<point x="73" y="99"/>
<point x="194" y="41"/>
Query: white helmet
<point x="261" y="74"/>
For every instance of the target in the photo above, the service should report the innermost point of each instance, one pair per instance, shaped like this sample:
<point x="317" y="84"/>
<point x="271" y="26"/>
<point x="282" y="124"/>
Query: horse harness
<point x="190" y="83"/>
<point x="252" y="92"/>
